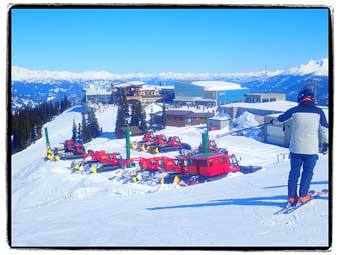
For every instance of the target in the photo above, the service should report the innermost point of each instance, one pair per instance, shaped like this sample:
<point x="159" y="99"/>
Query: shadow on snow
<point x="282" y="186"/>
<point x="76" y="109"/>
<point x="108" y="135"/>
<point x="250" y="201"/>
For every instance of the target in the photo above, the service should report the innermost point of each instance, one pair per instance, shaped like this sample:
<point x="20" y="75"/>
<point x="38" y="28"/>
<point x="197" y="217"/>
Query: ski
<point x="314" y="196"/>
<point x="283" y="209"/>
<point x="291" y="208"/>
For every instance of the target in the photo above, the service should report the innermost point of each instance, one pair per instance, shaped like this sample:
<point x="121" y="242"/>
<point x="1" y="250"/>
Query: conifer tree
<point x="163" y="119"/>
<point x="143" y="125"/>
<point x="79" y="134"/>
<point x="74" y="131"/>
<point x="122" y="114"/>
<point x="93" y="126"/>
<point x="126" y="111"/>
<point x="84" y="131"/>
<point x="136" y="114"/>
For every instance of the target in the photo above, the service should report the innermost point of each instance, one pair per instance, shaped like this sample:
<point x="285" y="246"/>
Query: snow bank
<point x="246" y="120"/>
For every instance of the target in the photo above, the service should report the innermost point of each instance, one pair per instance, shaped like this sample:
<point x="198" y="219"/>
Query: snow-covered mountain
<point x="53" y="207"/>
<point x="36" y="86"/>
<point x="316" y="67"/>
<point x="29" y="93"/>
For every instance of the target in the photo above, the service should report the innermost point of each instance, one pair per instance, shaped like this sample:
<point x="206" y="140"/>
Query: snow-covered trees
<point x="26" y="124"/>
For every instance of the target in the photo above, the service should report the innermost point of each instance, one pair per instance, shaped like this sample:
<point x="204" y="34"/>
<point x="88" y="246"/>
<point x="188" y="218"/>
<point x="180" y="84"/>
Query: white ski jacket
<point x="308" y="121"/>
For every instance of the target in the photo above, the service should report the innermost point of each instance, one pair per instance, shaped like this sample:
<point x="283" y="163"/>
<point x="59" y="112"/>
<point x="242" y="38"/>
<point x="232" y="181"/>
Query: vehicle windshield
<point x="213" y="144"/>
<point x="233" y="160"/>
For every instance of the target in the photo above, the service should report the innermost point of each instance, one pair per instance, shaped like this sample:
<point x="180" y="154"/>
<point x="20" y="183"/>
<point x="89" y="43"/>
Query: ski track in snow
<point x="53" y="207"/>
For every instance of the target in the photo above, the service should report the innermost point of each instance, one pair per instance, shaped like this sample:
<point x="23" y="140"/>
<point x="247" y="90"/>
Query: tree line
<point x="26" y="124"/>
<point x="137" y="117"/>
<point x="124" y="119"/>
<point x="86" y="130"/>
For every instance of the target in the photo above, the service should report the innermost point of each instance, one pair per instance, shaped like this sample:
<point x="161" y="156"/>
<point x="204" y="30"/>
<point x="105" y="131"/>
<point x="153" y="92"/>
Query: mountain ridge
<point x="318" y="67"/>
<point x="32" y="87"/>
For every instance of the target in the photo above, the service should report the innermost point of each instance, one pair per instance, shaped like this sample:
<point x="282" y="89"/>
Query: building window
<point x="272" y="99"/>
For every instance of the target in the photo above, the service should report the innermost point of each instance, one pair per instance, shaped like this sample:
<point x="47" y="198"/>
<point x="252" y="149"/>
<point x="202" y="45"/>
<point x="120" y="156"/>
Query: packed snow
<point x="53" y="207"/>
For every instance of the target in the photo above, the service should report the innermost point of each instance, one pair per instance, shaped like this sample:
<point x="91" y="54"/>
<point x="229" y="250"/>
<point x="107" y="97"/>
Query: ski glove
<point x="324" y="148"/>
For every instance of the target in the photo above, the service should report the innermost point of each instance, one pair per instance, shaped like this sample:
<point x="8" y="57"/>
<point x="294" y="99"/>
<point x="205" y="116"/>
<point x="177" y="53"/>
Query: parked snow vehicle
<point x="99" y="161"/>
<point x="51" y="156"/>
<point x="184" y="170"/>
<point x="159" y="143"/>
<point x="147" y="170"/>
<point x="71" y="150"/>
<point x="187" y="170"/>
<point x="148" y="139"/>
<point x="173" y="143"/>
<point x="204" y="167"/>
<point x="161" y="163"/>
<point x="212" y="145"/>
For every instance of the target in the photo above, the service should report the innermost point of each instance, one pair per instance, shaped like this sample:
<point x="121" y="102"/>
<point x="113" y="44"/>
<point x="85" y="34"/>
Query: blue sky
<point x="167" y="40"/>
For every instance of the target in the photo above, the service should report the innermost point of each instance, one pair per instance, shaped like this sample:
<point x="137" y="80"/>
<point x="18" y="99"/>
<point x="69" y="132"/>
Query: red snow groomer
<point x="160" y="143"/>
<point x="148" y="139"/>
<point x="99" y="161"/>
<point x="70" y="150"/>
<point x="203" y="167"/>
<point x="184" y="170"/>
<point x="212" y="148"/>
<point x="161" y="163"/>
<point x="212" y="145"/>
<point x="194" y="169"/>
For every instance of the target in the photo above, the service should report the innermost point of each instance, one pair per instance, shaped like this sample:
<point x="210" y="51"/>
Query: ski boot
<point x="292" y="201"/>
<point x="304" y="199"/>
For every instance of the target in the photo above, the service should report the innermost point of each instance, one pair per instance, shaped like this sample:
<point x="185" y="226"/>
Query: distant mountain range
<point x="31" y="87"/>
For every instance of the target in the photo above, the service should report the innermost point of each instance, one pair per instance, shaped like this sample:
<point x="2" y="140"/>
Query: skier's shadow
<point x="283" y="186"/>
<point x="249" y="201"/>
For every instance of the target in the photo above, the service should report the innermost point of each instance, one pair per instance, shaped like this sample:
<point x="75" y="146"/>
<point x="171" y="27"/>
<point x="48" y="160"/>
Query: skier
<point x="307" y="122"/>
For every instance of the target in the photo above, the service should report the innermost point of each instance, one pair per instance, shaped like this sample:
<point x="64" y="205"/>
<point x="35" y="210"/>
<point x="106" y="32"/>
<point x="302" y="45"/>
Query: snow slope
<point x="52" y="207"/>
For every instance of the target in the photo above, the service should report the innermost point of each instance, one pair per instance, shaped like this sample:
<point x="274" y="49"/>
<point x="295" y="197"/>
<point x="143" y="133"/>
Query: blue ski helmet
<point x="305" y="94"/>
